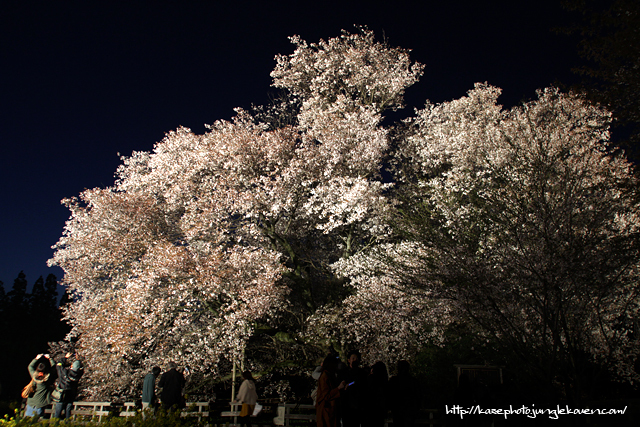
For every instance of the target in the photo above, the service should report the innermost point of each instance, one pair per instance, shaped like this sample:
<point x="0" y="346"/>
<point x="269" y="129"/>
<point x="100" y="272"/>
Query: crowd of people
<point x="171" y="385"/>
<point x="56" y="383"/>
<point x="351" y="395"/>
<point x="52" y="382"/>
<point x="347" y="393"/>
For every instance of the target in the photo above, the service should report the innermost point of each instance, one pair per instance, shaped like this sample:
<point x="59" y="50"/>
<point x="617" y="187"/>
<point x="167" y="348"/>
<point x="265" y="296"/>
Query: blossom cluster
<point x="518" y="222"/>
<point x="531" y="222"/>
<point x="209" y="235"/>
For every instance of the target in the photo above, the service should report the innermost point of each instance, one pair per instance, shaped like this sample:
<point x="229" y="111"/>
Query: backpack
<point x="29" y="389"/>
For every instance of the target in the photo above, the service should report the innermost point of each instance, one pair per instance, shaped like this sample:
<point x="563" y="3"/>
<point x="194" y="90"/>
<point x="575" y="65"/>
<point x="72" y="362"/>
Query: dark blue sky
<point x="81" y="81"/>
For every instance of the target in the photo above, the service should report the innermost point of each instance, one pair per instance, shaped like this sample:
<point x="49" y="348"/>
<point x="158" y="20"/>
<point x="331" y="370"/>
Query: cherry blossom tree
<point x="273" y="235"/>
<point x="146" y="293"/>
<point x="528" y="227"/>
<point x="386" y="317"/>
<point x="212" y="237"/>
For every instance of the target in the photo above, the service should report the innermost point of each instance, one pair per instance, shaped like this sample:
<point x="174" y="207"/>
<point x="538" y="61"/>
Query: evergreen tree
<point x="17" y="297"/>
<point x="51" y="290"/>
<point x="17" y="327"/>
<point x="44" y="298"/>
<point x="37" y="301"/>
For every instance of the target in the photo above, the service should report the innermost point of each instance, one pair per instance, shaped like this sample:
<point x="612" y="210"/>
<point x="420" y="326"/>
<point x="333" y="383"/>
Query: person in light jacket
<point x="149" y="388"/>
<point x="248" y="396"/>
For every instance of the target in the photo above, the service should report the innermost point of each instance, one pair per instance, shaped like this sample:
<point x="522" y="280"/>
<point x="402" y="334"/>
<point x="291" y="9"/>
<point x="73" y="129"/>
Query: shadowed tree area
<point x="609" y="40"/>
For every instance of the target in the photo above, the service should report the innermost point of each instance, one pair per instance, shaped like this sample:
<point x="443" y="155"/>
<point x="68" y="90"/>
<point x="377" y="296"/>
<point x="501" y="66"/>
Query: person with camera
<point x="43" y="377"/>
<point x="66" y="389"/>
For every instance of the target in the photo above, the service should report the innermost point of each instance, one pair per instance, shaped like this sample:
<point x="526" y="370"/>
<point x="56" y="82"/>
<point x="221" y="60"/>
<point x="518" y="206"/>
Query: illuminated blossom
<point x="531" y="227"/>
<point x="208" y="236"/>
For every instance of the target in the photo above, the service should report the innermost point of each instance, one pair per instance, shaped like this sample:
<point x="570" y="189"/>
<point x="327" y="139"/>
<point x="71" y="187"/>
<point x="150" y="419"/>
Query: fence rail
<point x="90" y="411"/>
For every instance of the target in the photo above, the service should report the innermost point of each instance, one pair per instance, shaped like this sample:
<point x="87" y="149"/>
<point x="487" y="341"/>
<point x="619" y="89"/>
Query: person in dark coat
<point x="172" y="382"/>
<point x="377" y="380"/>
<point x="353" y="400"/>
<point x="404" y="396"/>
<point x="66" y="390"/>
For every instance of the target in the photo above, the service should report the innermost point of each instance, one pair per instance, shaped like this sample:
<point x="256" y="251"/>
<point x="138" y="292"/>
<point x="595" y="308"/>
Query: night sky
<point x="81" y="81"/>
